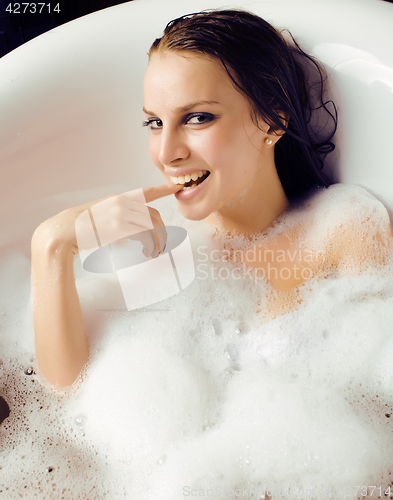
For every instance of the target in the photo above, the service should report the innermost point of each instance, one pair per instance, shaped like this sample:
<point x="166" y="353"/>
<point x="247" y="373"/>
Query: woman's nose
<point x="172" y="147"/>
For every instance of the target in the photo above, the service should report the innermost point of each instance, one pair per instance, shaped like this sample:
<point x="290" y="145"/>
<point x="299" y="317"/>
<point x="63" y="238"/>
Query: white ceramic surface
<point x="71" y="100"/>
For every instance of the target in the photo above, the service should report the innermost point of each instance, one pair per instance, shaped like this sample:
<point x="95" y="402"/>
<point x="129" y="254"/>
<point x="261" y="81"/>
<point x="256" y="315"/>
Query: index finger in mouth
<point x="156" y="192"/>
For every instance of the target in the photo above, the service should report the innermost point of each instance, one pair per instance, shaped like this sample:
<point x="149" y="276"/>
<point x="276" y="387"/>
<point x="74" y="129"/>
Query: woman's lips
<point x="187" y="194"/>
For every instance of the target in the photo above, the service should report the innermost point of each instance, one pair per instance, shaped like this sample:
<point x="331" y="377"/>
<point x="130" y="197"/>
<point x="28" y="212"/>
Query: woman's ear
<point x="275" y="133"/>
<point x="284" y="119"/>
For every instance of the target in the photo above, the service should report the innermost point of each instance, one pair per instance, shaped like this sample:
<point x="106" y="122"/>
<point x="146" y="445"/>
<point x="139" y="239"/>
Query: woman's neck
<point x="254" y="209"/>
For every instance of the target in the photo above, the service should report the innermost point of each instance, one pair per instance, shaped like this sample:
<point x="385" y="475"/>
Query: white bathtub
<point x="71" y="101"/>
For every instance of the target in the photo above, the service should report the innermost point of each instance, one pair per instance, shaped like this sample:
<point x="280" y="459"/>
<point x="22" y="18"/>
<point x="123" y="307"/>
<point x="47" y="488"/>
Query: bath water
<point x="197" y="396"/>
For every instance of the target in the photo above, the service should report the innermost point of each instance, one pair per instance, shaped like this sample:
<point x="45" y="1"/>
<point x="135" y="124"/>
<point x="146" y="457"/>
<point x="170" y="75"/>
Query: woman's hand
<point x="114" y="217"/>
<point x="62" y="347"/>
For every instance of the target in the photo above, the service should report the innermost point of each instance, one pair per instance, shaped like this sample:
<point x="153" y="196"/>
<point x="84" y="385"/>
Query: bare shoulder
<point x="341" y="229"/>
<point x="350" y="228"/>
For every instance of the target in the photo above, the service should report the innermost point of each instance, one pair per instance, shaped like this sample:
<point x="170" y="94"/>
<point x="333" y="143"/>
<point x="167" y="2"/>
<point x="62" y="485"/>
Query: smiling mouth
<point x="192" y="183"/>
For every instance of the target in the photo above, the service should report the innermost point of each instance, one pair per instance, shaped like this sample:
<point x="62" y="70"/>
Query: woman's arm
<point x="61" y="343"/>
<point x="62" y="347"/>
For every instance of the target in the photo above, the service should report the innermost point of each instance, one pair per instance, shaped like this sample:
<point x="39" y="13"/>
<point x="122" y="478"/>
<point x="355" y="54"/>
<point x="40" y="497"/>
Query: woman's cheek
<point x="153" y="152"/>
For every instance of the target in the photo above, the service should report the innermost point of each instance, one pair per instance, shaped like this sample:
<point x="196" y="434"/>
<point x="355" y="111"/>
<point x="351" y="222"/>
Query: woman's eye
<point x="199" y="118"/>
<point x="152" y="123"/>
<point x="192" y="119"/>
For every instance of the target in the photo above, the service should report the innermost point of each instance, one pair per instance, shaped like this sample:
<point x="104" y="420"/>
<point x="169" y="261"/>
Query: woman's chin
<point x="192" y="213"/>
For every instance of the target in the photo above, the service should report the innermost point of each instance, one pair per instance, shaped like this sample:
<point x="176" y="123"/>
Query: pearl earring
<point x="268" y="141"/>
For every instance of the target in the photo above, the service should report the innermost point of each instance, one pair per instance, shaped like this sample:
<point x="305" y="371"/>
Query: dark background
<point x="16" y="29"/>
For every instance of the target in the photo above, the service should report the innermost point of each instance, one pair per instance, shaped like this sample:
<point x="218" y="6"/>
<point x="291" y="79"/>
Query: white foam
<point x="195" y="392"/>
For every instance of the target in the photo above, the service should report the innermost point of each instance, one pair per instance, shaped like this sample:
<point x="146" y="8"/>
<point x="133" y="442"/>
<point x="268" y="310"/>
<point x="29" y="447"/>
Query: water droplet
<point x="232" y="352"/>
<point x="242" y="327"/>
<point x="217" y="328"/>
<point x="49" y="469"/>
<point x="80" y="419"/>
<point x="29" y="371"/>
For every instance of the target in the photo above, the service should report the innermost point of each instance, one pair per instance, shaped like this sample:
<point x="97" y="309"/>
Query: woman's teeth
<point x="183" y="179"/>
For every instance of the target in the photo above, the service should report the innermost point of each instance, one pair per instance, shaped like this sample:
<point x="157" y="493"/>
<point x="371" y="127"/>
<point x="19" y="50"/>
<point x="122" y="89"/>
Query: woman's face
<point x="199" y="122"/>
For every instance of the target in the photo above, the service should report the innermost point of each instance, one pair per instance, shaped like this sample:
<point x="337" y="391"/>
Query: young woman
<point x="230" y="104"/>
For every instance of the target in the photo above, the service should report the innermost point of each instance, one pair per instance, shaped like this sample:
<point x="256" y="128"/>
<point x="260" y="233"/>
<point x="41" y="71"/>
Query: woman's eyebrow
<point x="187" y="107"/>
<point x="183" y="109"/>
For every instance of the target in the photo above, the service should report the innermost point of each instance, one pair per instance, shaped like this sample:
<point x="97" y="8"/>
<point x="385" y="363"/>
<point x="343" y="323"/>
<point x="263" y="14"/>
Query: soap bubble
<point x="199" y="391"/>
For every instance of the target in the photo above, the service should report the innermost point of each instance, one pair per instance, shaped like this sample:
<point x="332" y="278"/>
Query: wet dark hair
<point x="276" y="76"/>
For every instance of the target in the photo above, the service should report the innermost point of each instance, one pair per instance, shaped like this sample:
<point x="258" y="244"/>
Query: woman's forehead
<point x="174" y="76"/>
